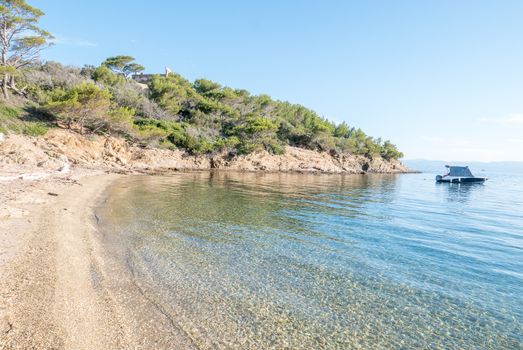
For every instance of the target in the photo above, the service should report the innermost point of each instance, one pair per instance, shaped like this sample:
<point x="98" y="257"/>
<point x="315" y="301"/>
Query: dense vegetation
<point x="199" y="117"/>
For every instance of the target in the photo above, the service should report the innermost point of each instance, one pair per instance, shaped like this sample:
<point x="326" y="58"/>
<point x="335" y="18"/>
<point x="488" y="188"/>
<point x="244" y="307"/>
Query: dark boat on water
<point x="459" y="174"/>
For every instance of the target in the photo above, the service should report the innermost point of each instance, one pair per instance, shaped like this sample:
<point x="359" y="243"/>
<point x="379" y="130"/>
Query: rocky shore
<point x="59" y="148"/>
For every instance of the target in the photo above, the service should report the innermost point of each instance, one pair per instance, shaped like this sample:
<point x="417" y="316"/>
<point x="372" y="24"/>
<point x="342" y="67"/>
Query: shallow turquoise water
<point x="306" y="261"/>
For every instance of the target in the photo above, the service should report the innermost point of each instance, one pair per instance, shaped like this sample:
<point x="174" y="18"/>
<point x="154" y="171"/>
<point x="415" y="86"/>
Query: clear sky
<point x="443" y="79"/>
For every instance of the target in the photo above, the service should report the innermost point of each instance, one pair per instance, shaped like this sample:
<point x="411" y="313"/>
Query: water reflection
<point x="461" y="192"/>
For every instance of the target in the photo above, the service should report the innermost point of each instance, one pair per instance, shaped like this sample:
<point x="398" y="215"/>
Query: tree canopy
<point x="85" y="105"/>
<point x="200" y="117"/>
<point x="123" y="65"/>
<point x="21" y="39"/>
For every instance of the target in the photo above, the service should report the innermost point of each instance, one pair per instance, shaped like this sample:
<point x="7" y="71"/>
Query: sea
<point x="304" y="261"/>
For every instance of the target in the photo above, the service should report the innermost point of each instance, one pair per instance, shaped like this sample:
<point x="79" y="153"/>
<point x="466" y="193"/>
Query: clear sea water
<point x="273" y="261"/>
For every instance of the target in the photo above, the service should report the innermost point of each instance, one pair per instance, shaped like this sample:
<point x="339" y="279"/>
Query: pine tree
<point x="21" y="40"/>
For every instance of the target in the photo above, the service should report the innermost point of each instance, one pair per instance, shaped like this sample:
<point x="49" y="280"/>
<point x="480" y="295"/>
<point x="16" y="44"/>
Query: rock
<point x="64" y="169"/>
<point x="61" y="147"/>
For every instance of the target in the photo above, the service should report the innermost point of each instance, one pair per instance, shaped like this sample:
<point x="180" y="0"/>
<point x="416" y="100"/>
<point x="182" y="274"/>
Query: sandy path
<point x="82" y="312"/>
<point x="50" y="298"/>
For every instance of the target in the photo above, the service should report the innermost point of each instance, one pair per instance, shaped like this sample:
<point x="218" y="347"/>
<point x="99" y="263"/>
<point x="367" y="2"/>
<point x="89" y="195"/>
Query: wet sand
<point x="59" y="288"/>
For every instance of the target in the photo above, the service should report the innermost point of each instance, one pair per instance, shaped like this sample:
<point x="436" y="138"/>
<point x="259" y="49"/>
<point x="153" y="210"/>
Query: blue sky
<point x="442" y="79"/>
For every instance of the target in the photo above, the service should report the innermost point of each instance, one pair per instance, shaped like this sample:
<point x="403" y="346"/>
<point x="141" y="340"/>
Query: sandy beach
<point x="48" y="258"/>
<point x="58" y="288"/>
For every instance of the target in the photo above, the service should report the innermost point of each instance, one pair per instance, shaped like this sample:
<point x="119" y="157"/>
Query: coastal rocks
<point x="166" y="159"/>
<point x="24" y="151"/>
<point x="301" y="160"/>
<point x="59" y="147"/>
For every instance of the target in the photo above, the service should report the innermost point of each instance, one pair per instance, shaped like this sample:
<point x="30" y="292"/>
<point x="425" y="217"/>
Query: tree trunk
<point x="12" y="83"/>
<point x="4" y="87"/>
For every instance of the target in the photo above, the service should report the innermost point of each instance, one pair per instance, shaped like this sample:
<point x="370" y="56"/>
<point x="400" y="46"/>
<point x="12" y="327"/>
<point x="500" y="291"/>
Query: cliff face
<point x="301" y="160"/>
<point x="61" y="147"/>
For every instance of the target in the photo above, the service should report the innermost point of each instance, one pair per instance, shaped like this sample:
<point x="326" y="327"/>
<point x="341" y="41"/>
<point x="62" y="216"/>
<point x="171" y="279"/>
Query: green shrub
<point x="246" y="147"/>
<point x="9" y="112"/>
<point x="227" y="143"/>
<point x="159" y="131"/>
<point x="118" y="120"/>
<point x="275" y="147"/>
<point x="9" y="120"/>
<point x="389" y="151"/>
<point x="105" y="76"/>
<point x="172" y="92"/>
<point x="84" y="106"/>
<point x="34" y="129"/>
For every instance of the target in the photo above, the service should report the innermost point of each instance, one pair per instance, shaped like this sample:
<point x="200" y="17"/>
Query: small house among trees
<point x="146" y="78"/>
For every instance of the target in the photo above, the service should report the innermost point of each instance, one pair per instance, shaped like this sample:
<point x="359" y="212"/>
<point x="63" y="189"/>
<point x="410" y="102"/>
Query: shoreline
<point x="58" y="287"/>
